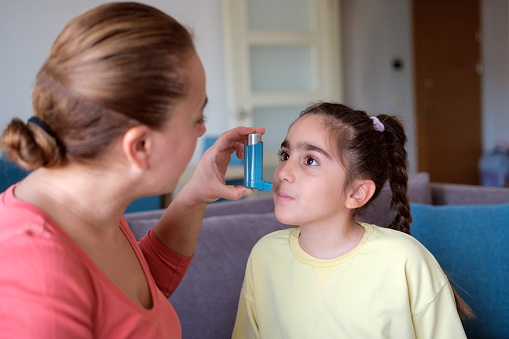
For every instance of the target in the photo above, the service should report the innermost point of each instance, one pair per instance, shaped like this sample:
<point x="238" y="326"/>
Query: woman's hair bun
<point x="29" y="146"/>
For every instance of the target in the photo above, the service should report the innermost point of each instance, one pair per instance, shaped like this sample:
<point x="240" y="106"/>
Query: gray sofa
<point x="206" y="300"/>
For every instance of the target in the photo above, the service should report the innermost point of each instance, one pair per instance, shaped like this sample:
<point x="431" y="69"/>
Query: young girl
<point x="333" y="277"/>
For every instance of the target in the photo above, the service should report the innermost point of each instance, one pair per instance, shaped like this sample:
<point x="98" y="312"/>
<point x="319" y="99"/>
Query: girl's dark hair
<point x="380" y="156"/>
<point x="113" y="67"/>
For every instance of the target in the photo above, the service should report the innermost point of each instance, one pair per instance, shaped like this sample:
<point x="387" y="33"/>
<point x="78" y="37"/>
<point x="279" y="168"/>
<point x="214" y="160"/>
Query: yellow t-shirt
<point x="388" y="286"/>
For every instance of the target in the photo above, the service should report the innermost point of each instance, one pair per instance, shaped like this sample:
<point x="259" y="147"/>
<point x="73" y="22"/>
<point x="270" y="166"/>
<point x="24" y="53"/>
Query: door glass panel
<point x="276" y="121"/>
<point x="278" y="15"/>
<point x="280" y="68"/>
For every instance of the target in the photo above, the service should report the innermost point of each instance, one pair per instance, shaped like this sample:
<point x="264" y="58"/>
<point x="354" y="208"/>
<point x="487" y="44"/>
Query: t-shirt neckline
<point x="308" y="259"/>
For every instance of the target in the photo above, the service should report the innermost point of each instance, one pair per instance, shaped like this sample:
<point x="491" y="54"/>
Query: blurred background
<point x="441" y="65"/>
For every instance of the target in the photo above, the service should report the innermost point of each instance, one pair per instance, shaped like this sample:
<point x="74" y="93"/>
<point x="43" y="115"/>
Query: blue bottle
<point x="253" y="164"/>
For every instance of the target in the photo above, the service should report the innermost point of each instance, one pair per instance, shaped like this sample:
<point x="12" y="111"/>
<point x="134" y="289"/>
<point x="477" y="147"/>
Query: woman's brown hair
<point x="112" y="67"/>
<point x="376" y="152"/>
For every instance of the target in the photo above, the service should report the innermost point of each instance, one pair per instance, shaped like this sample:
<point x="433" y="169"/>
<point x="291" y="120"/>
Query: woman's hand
<point x="208" y="183"/>
<point x="180" y="225"/>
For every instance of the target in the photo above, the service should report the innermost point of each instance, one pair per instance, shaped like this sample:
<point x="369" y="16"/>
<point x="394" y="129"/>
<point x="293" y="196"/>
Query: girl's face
<point x="309" y="181"/>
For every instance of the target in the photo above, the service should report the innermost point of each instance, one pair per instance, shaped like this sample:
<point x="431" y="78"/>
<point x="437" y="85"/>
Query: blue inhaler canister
<point x="253" y="164"/>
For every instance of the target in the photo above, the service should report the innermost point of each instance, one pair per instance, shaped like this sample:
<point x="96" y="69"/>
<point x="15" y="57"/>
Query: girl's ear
<point x="361" y="192"/>
<point x="137" y="146"/>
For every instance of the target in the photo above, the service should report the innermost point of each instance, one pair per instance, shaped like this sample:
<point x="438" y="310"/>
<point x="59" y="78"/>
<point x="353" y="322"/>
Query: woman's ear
<point x="361" y="192"/>
<point x="137" y="146"/>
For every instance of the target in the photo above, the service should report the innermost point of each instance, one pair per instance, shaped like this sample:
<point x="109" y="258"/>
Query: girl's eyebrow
<point x="307" y="147"/>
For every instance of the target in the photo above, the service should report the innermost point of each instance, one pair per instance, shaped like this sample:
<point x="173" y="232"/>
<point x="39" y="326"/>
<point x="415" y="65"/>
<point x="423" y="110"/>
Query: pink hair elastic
<point x="377" y="124"/>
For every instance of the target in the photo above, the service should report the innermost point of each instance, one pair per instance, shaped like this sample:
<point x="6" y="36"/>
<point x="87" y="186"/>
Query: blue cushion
<point x="210" y="140"/>
<point x="145" y="204"/>
<point x="10" y="173"/>
<point x="471" y="244"/>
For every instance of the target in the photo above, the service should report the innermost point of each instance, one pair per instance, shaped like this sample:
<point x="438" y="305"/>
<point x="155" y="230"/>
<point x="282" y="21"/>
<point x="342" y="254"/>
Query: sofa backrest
<point x="207" y="298"/>
<point x="455" y="194"/>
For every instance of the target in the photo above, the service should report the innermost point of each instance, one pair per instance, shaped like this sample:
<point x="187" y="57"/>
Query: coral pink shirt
<point x="49" y="288"/>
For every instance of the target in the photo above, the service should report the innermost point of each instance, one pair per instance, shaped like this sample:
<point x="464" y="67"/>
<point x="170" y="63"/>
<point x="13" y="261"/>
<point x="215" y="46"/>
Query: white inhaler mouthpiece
<point x="253" y="164"/>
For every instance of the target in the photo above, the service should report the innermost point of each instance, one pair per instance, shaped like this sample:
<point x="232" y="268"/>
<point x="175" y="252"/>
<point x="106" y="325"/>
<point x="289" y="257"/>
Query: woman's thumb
<point x="236" y="192"/>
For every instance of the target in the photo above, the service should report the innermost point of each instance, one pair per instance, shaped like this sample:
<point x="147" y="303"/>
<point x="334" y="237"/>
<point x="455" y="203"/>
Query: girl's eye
<point x="311" y="162"/>
<point x="283" y="156"/>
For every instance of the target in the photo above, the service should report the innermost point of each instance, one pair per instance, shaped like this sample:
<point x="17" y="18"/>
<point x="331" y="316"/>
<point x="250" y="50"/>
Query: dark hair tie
<point x="44" y="126"/>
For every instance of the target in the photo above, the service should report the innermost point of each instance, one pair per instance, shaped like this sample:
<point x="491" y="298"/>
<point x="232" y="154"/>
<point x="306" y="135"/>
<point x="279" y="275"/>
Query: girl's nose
<point x="284" y="172"/>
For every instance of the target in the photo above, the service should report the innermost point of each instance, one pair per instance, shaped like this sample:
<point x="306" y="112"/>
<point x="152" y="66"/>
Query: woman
<point x="118" y="109"/>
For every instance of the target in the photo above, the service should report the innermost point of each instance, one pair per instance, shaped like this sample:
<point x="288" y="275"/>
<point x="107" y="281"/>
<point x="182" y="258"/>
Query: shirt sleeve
<point x="45" y="292"/>
<point x="167" y="267"/>
<point x="439" y="319"/>
<point x="245" y="323"/>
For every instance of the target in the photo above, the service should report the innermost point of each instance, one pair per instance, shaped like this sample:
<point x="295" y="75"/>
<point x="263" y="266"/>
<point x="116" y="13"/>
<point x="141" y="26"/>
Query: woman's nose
<point x="202" y="130"/>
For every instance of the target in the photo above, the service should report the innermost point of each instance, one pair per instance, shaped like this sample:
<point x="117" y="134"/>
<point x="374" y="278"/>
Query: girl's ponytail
<point x="397" y="165"/>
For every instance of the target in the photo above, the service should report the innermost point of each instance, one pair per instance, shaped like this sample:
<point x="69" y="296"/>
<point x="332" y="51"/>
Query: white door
<point x="280" y="56"/>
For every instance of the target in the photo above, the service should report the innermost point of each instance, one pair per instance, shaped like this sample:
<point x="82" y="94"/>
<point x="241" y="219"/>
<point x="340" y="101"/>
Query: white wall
<point x="376" y="31"/>
<point x="29" y="27"/>
<point x="495" y="82"/>
<point x="373" y="33"/>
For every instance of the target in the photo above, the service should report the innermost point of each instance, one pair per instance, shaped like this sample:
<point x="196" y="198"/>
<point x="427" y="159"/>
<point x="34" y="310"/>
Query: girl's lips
<point x="283" y="196"/>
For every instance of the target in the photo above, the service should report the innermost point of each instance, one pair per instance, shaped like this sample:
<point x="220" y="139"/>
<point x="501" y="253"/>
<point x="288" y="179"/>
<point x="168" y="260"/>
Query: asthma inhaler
<point x="253" y="164"/>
